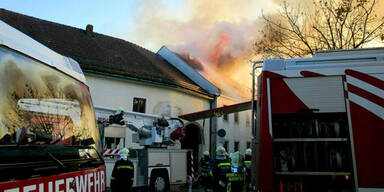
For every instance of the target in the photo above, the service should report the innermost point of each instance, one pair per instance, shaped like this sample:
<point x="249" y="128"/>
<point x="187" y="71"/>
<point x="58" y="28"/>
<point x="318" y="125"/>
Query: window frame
<point x="145" y="104"/>
<point x="122" y="139"/>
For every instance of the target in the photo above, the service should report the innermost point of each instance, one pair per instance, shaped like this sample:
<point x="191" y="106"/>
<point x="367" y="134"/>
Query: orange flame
<point x="224" y="41"/>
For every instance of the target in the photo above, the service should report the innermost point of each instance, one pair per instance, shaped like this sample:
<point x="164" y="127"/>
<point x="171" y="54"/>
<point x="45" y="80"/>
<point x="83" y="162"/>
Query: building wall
<point x="110" y="92"/>
<point x="236" y="131"/>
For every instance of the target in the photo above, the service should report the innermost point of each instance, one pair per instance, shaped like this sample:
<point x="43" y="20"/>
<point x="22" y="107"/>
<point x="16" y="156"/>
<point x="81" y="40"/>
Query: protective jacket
<point x="229" y="177"/>
<point x="205" y="172"/>
<point x="122" y="176"/>
<point x="220" y="170"/>
<point x="206" y="165"/>
<point x="247" y="164"/>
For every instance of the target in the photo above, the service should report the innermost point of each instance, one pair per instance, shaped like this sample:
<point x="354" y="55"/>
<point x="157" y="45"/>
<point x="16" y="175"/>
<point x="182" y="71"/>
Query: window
<point x="226" y="145"/>
<point x="225" y="116"/>
<point x="236" y="146"/>
<point x="139" y="105"/>
<point x="114" y="142"/>
<point x="236" y="117"/>
<point x="48" y="105"/>
<point x="248" y="144"/>
<point x="247" y="121"/>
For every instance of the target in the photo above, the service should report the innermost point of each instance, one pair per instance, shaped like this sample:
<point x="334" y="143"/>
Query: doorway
<point x="192" y="140"/>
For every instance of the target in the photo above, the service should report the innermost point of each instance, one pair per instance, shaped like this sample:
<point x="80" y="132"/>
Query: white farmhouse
<point x="122" y="74"/>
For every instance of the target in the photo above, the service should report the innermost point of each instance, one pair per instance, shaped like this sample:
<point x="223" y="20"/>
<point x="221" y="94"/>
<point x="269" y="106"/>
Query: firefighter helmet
<point x="124" y="151"/>
<point x="220" y="151"/>
<point x="248" y="152"/>
<point x="119" y="110"/>
<point x="206" y="153"/>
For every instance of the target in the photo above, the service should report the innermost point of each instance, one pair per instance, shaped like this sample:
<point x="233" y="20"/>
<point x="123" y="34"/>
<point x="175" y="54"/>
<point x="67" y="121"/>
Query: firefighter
<point x="205" y="165"/>
<point x="237" y="177"/>
<point x="247" y="164"/>
<point x="220" y="169"/>
<point x="122" y="174"/>
<point x="117" y="117"/>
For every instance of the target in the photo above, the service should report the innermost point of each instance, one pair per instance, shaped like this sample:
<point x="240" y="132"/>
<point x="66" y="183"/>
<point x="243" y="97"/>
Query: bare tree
<point x="327" y="25"/>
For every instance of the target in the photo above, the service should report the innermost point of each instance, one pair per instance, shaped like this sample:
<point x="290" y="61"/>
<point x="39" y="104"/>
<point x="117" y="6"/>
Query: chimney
<point x="89" y="28"/>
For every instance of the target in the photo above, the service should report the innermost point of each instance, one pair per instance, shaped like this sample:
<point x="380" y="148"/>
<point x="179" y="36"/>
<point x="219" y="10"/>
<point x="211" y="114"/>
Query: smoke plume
<point x="216" y="36"/>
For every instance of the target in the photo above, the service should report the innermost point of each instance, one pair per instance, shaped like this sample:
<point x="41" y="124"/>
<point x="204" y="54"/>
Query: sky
<point x="131" y="19"/>
<point x="107" y="18"/>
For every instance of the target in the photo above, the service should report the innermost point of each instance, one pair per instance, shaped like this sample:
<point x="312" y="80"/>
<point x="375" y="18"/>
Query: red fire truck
<point x="320" y="123"/>
<point x="48" y="133"/>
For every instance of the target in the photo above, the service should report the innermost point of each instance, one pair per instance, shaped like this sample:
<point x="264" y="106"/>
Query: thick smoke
<point x="219" y="34"/>
<point x="224" y="52"/>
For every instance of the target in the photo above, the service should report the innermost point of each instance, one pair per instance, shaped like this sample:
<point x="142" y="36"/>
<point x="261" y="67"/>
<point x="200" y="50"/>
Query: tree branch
<point x="323" y="36"/>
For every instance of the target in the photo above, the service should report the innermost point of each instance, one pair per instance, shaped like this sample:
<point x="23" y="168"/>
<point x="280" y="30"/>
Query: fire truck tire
<point x="159" y="181"/>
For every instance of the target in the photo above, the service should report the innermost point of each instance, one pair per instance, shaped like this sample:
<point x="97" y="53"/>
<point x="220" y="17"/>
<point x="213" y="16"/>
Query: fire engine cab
<point x="48" y="133"/>
<point x="320" y="123"/>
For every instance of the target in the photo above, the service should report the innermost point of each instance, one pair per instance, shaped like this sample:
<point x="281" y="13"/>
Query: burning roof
<point x="220" y="79"/>
<point x="191" y="61"/>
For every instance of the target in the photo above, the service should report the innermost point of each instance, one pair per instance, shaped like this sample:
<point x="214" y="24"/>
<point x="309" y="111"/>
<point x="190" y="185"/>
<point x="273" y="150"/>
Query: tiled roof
<point x="101" y="53"/>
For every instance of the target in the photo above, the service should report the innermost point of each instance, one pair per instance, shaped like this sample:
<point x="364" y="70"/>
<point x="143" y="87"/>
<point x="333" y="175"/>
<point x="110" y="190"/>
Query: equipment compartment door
<point x="315" y="94"/>
<point x="178" y="167"/>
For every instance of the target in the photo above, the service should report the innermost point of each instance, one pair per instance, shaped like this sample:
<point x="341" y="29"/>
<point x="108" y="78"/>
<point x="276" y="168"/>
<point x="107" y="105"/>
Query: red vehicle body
<point x="320" y="123"/>
<point x="48" y="133"/>
<point x="88" y="180"/>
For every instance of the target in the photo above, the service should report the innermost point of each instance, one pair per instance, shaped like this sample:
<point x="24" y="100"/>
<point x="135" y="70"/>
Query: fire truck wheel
<point x="159" y="181"/>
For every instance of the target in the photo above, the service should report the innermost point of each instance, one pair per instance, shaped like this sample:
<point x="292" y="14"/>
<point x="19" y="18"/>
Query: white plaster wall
<point x="110" y="92"/>
<point x="236" y="131"/>
<point x="115" y="93"/>
<point x="120" y="93"/>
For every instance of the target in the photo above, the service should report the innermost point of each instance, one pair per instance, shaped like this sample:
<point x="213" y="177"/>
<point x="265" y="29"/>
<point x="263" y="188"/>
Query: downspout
<point x="213" y="127"/>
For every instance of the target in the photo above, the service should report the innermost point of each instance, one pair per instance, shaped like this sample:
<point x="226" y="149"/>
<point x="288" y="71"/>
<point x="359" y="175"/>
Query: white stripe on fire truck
<point x="366" y="86"/>
<point x="368" y="105"/>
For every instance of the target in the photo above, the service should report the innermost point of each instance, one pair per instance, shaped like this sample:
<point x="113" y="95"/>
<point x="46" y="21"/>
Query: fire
<point x="224" y="41"/>
<point x="223" y="59"/>
<point x="220" y="40"/>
